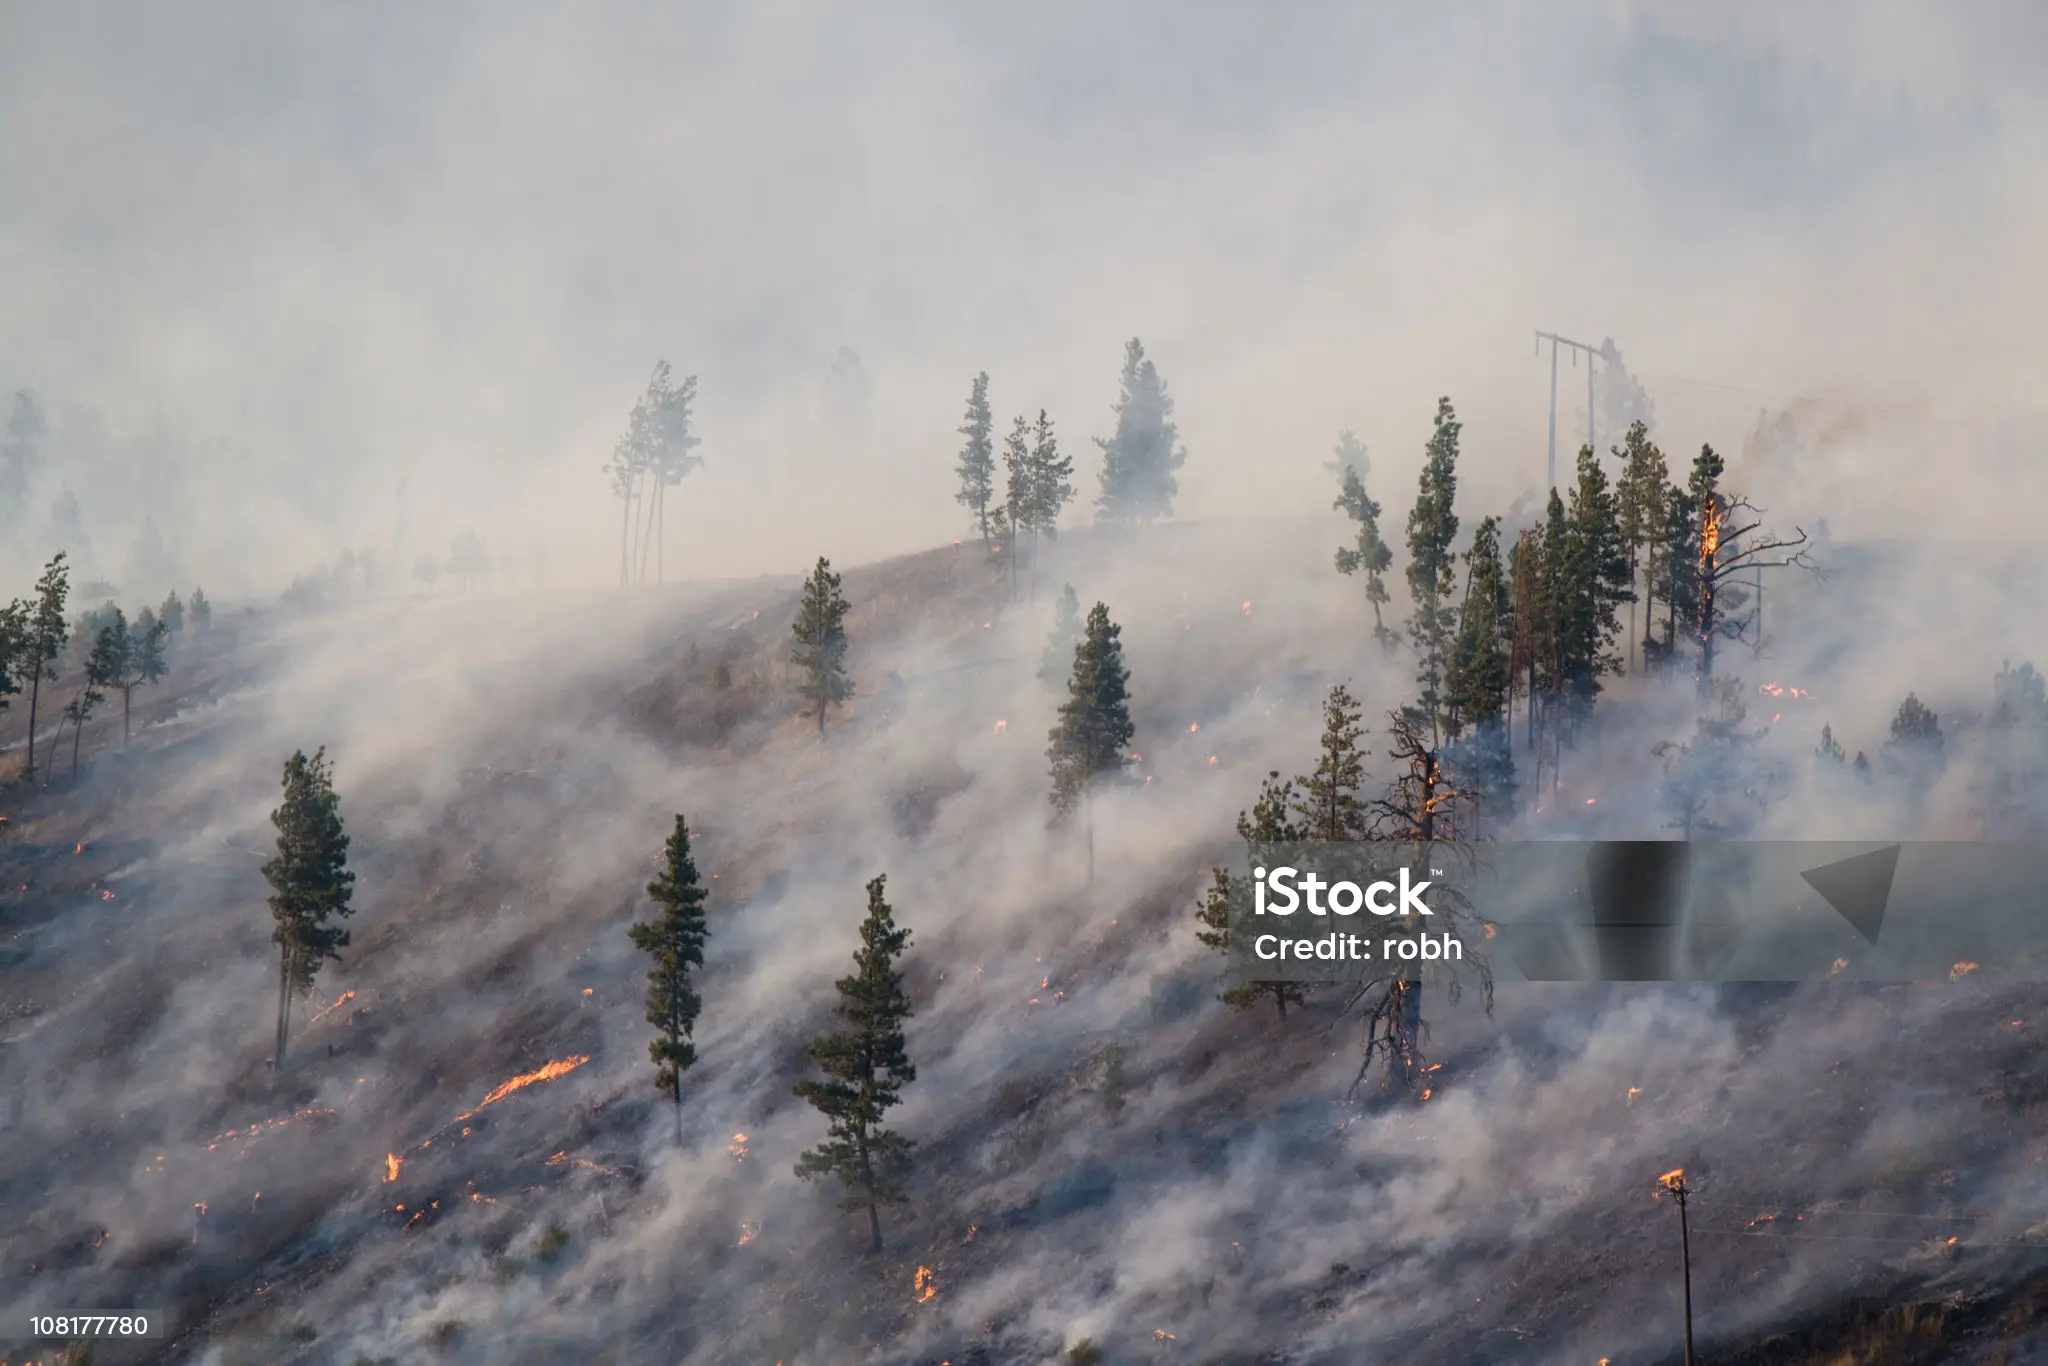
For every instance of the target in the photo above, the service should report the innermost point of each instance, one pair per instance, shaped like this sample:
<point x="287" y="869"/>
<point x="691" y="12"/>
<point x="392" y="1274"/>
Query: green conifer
<point x="310" y="883"/>
<point x="674" y="940"/>
<point x="1090" y="744"/>
<point x="866" y="1066"/>
<point x="820" y="649"/>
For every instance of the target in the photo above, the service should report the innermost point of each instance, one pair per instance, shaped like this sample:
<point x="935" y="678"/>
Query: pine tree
<point x="1830" y="750"/>
<point x="977" y="467"/>
<point x="675" y="942"/>
<point x="1020" y="504"/>
<point x="1140" y="462"/>
<point x="820" y="649"/>
<point x="1915" y="751"/>
<point x="1526" y="576"/>
<point x="20" y="455"/>
<point x="14" y="633"/>
<point x="310" y="884"/>
<point x="1051" y="488"/>
<point x="1639" y="511"/>
<point x="1481" y="752"/>
<point x="202" y="610"/>
<point x="103" y="669"/>
<point x="137" y="658"/>
<point x="866" y="1066"/>
<point x="1057" y="663"/>
<point x="172" y="614"/>
<point x="1556" y="598"/>
<point x="1090" y="744"/>
<point x="1432" y="564"/>
<point x="1369" y="554"/>
<point x="1598" y="586"/>
<point x="46" y="636"/>
<point x="1678" y="570"/>
<point x="1327" y="806"/>
<point x="1269" y="824"/>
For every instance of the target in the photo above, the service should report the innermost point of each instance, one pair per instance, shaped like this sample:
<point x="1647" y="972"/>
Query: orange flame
<point x="1246" y="609"/>
<point x="345" y="996"/>
<point x="392" y="1162"/>
<point x="738" y="1148"/>
<point x="1001" y="726"/>
<point x="749" y="1232"/>
<point x="1710" y="534"/>
<point x="1671" y="1178"/>
<point x="922" y="1283"/>
<point x="1633" y="1092"/>
<point x="1961" y="970"/>
<point x="548" y="1073"/>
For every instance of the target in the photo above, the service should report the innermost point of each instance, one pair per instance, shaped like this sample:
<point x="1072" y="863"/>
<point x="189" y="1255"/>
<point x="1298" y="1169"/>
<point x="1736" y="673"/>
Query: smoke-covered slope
<point x="1103" y="1151"/>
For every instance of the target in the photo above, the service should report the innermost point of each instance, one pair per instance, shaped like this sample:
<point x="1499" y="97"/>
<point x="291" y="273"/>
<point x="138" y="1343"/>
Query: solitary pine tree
<point x="866" y="1066"/>
<point x="1141" y="461"/>
<point x="1051" y="487"/>
<point x="172" y="614"/>
<point x="1020" y="502"/>
<point x="310" y="883"/>
<point x="1639" y="510"/>
<point x="1091" y="742"/>
<point x="47" y="631"/>
<point x="675" y="941"/>
<point x="1432" y="564"/>
<point x="1057" y="662"/>
<point x="977" y="467"/>
<point x="1369" y="554"/>
<point x="1481" y="752"/>
<point x="820" y="649"/>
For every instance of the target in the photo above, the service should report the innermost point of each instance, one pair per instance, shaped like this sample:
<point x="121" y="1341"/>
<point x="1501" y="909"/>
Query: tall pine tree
<point x="1269" y="824"/>
<point x="1051" y="488"/>
<point x="977" y="467"/>
<point x="1481" y="753"/>
<point x="1020" y="500"/>
<point x="866" y="1066"/>
<point x="1432" y="565"/>
<point x="1057" y="662"/>
<point x="1090" y="744"/>
<point x="820" y="649"/>
<point x="1141" y="461"/>
<point x="674" y="940"/>
<point x="1369" y="554"/>
<point x="1596" y="585"/>
<point x="47" y="632"/>
<point x="310" y="882"/>
<point x="1639" y="509"/>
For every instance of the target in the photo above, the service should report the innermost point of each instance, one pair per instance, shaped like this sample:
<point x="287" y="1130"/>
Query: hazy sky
<point x="446" y="243"/>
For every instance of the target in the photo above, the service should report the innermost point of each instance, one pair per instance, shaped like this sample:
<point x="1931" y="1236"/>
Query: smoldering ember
<point x="646" y="650"/>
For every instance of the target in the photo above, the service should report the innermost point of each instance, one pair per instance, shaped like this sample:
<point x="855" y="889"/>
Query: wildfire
<point x="1710" y="535"/>
<point x="392" y="1162"/>
<point x="1161" y="1335"/>
<point x="1777" y="690"/>
<point x="1838" y="965"/>
<point x="748" y="1233"/>
<point x="1194" y="726"/>
<point x="1961" y="970"/>
<point x="738" y="1148"/>
<point x="548" y="1073"/>
<point x="972" y="1229"/>
<point x="345" y="996"/>
<point x="922" y="1283"/>
<point x="1671" y="1178"/>
<point x="1001" y="726"/>
<point x="1633" y="1092"/>
<point x="562" y="1158"/>
<point x="80" y="849"/>
<point x="1212" y="761"/>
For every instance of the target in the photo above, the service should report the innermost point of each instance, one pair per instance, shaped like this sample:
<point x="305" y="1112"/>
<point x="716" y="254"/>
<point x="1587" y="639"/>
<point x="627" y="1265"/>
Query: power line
<point x="1575" y="347"/>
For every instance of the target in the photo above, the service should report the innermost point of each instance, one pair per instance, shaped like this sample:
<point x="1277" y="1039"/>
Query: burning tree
<point x="1731" y="539"/>
<point x="310" y="883"/>
<point x="977" y="467"/>
<point x="1369" y="554"/>
<point x="675" y="943"/>
<point x="1419" y="809"/>
<point x="865" y="1066"/>
<point x="820" y="649"/>
<point x="1090" y="744"/>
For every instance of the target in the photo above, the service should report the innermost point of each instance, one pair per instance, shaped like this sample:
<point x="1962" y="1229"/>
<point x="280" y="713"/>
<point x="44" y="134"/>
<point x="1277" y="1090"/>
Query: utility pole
<point x="1575" y="347"/>
<point x="1674" y="1181"/>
